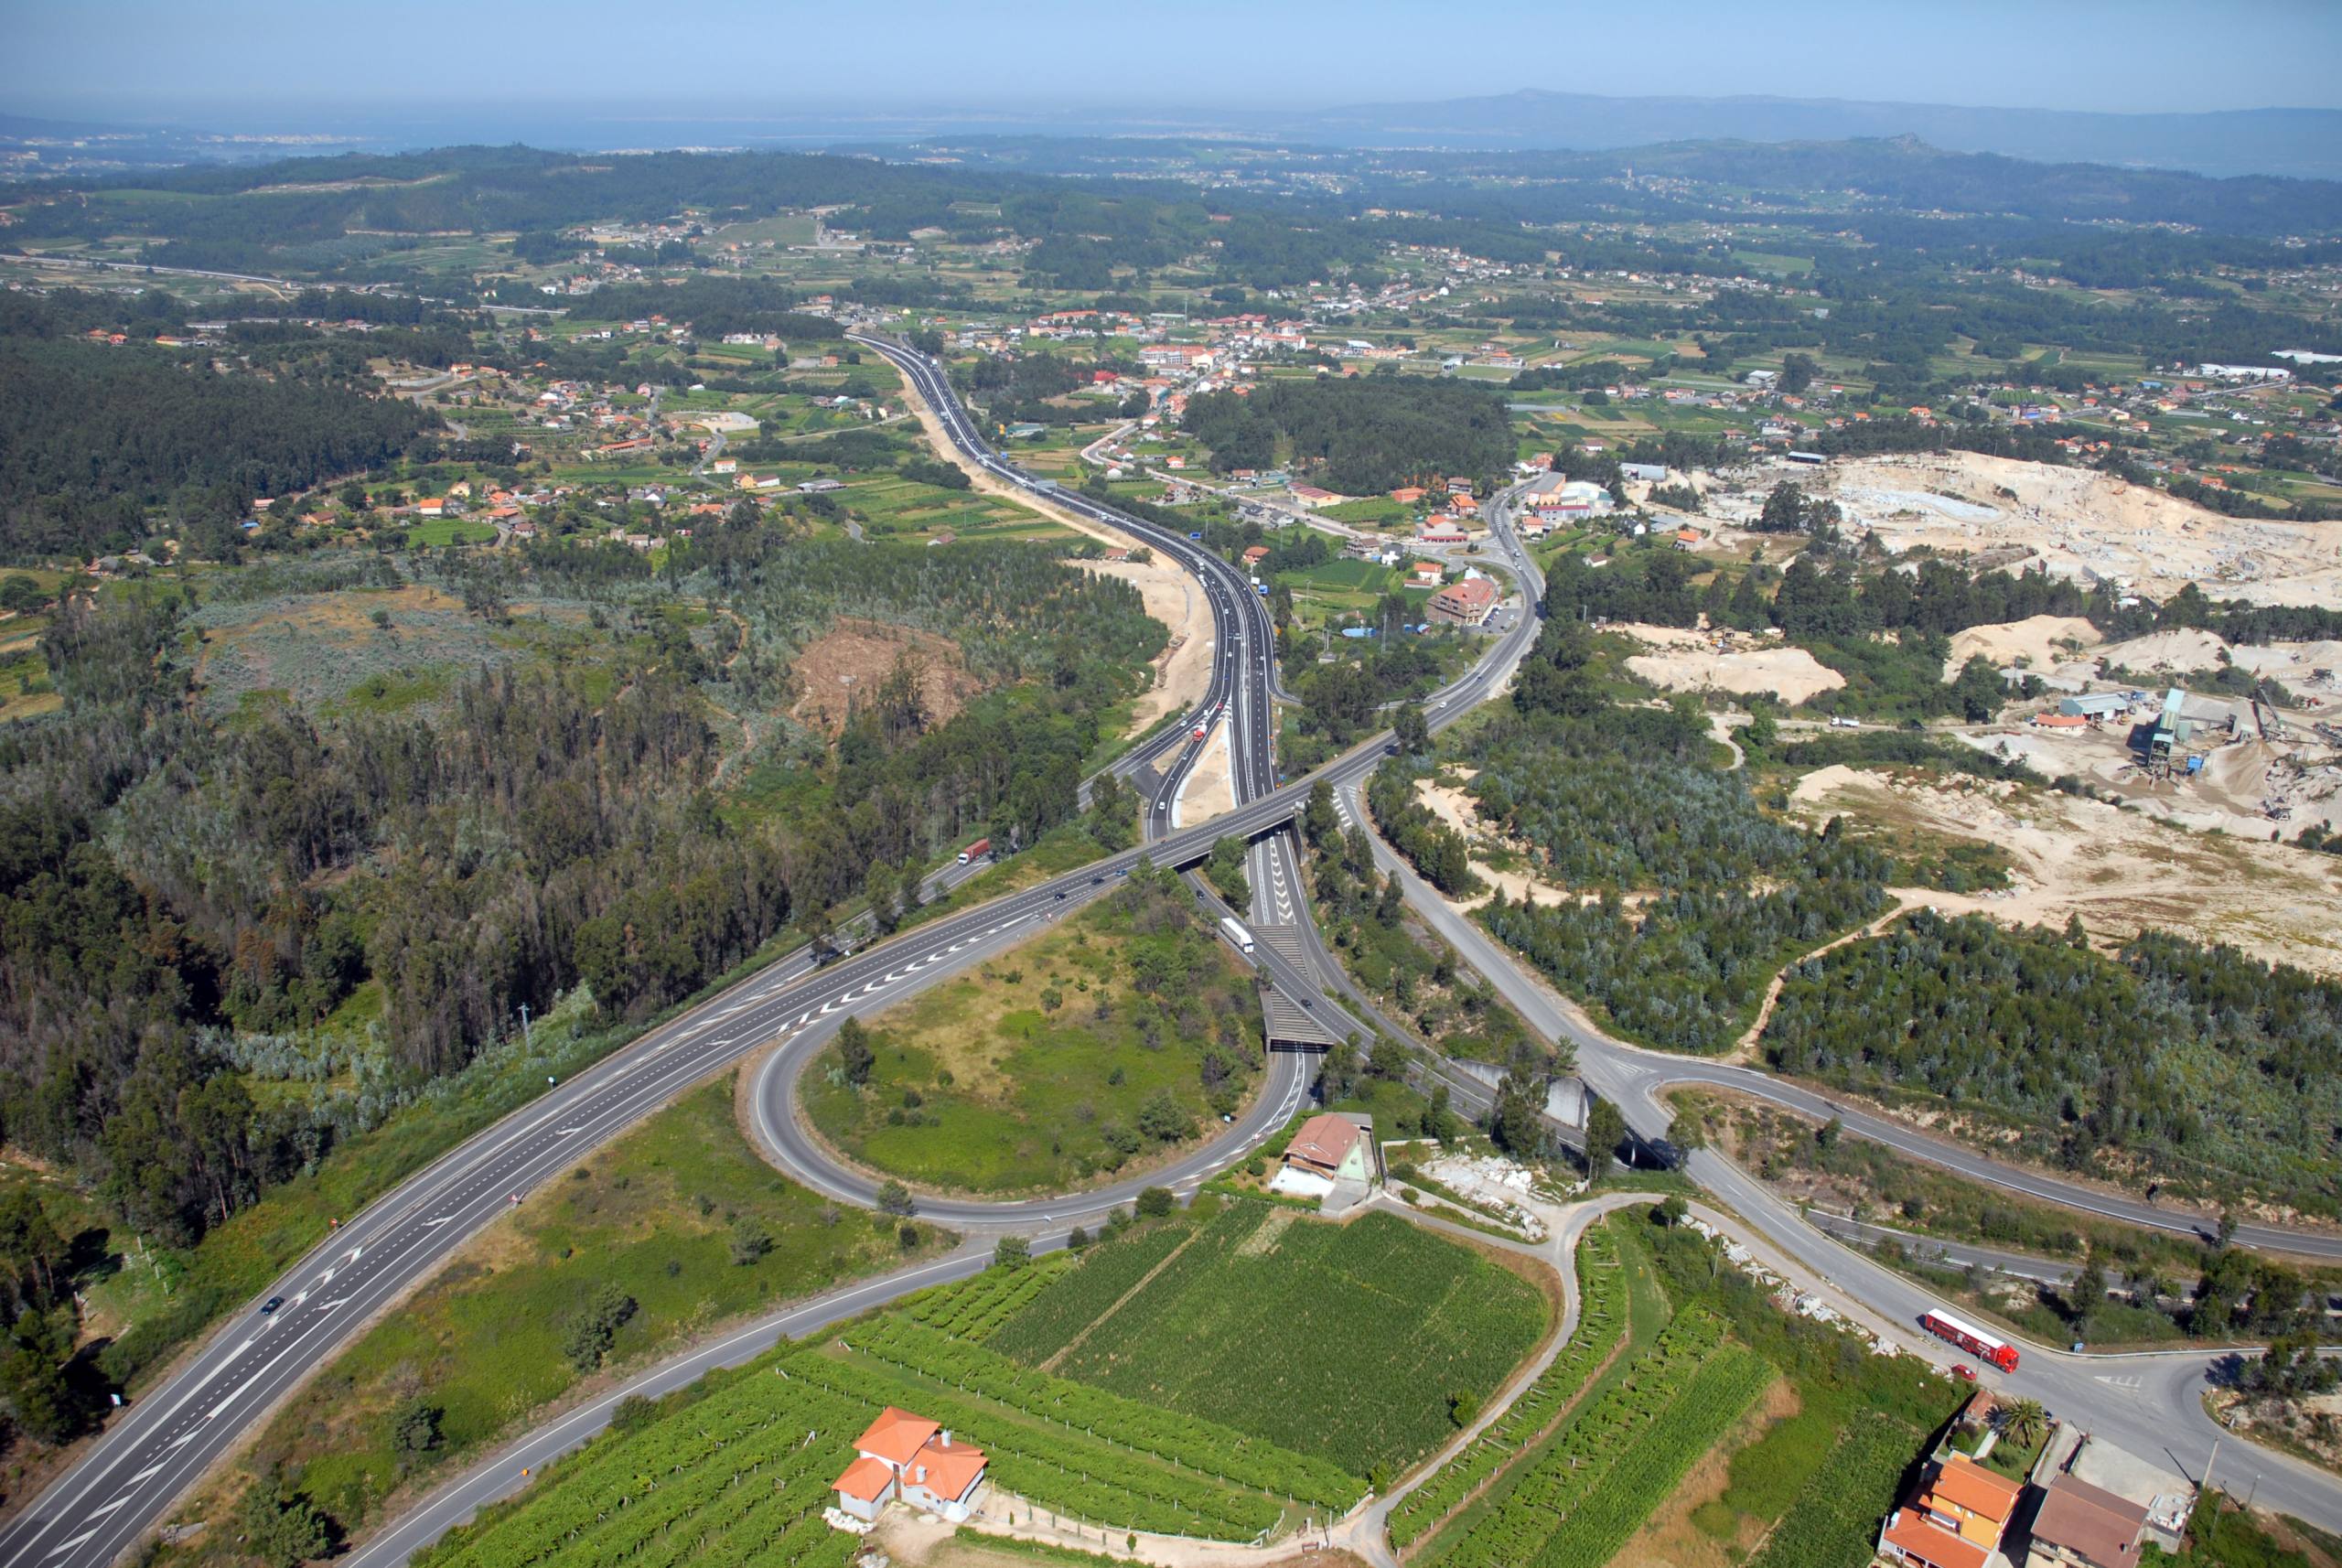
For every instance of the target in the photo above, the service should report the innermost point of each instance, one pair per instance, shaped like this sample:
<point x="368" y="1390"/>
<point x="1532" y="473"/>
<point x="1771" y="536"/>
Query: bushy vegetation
<point x="2201" y="1066"/>
<point x="1625" y="803"/>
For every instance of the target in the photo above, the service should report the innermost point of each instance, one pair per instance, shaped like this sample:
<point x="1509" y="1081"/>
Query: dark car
<point x="271" y="1304"/>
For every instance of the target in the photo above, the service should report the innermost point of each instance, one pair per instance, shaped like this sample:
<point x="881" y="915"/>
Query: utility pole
<point x="526" y="1042"/>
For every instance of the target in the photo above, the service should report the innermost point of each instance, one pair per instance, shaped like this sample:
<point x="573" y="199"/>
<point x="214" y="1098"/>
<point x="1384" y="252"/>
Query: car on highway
<point x="1965" y="1371"/>
<point x="271" y="1304"/>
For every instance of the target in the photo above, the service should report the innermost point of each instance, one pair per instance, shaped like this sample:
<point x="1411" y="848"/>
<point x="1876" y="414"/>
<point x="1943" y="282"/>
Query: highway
<point x="130" y="1476"/>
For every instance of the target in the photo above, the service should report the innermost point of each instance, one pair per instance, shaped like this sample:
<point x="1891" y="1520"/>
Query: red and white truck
<point x="1971" y="1339"/>
<point x="975" y="852"/>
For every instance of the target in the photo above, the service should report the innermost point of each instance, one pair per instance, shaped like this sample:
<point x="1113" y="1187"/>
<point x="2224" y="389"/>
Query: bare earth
<point x="2076" y="522"/>
<point x="1183" y="670"/>
<point x="2117" y="870"/>
<point x="848" y="663"/>
<point x="2032" y="642"/>
<point x="1689" y="662"/>
<point x="1211" y="787"/>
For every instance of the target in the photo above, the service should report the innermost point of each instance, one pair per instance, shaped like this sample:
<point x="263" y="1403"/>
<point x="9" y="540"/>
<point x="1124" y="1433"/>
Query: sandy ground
<point x="1688" y="662"/>
<point x="2077" y="522"/>
<point x="2240" y="781"/>
<point x="2117" y="870"/>
<point x="2032" y="642"/>
<point x="1183" y="670"/>
<point x="1211" y="787"/>
<point x="2296" y="665"/>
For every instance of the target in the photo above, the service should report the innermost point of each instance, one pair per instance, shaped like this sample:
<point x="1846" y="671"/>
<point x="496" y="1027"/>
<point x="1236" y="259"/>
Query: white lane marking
<point x="70" y="1545"/>
<point x="441" y="1220"/>
<point x="184" y="1439"/>
<point x="114" y="1505"/>
<point x="146" y="1472"/>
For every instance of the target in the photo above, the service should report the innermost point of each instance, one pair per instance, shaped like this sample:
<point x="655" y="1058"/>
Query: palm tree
<point x="2023" y="1420"/>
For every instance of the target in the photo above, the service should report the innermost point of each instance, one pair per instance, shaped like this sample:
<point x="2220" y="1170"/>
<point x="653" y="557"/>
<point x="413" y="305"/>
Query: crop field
<point x="972" y="1309"/>
<point x="1069" y="1306"/>
<point x="738" y="1477"/>
<point x="1091" y="1471"/>
<point x="1602" y="1318"/>
<point x="1345" y="1342"/>
<point x="1590" y="1489"/>
<point x="1834" y="1523"/>
<point x="1200" y="1446"/>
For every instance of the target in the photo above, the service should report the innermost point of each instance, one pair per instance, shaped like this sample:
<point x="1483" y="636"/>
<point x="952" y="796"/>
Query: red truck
<point x="1969" y="1338"/>
<point x="975" y="852"/>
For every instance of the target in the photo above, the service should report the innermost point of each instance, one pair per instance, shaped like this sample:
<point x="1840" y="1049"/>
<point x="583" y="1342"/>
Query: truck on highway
<point x="1971" y="1339"/>
<point x="975" y="852"/>
<point x="1233" y="929"/>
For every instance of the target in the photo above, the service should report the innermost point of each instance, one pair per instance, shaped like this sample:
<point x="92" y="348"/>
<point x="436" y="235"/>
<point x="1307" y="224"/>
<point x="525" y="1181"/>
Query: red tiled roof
<point x="948" y="1470"/>
<point x="1923" y="1541"/>
<point x="865" y="1478"/>
<point x="1964" y="1481"/>
<point x="2092" y="1522"/>
<point x="1324" y="1140"/>
<point x="897" y="1435"/>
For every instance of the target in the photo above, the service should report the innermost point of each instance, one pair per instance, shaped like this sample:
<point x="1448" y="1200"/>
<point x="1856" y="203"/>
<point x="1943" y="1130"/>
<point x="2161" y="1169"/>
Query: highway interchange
<point x="128" y="1479"/>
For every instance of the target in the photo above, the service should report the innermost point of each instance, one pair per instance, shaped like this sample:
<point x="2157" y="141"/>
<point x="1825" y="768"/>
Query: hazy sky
<point x="238" y="63"/>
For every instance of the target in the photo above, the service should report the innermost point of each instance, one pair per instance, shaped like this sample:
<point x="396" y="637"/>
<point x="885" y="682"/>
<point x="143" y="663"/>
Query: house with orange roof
<point x="1964" y="1497"/>
<point x="908" y="1456"/>
<point x="1912" y="1538"/>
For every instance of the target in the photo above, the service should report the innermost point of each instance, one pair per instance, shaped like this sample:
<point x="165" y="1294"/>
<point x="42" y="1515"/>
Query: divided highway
<point x="132" y="1474"/>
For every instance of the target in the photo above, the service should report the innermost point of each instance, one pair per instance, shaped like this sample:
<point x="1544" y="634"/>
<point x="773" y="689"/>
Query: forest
<point x="191" y="905"/>
<point x="1358" y="435"/>
<point x="2197" y="1067"/>
<point x="96" y="435"/>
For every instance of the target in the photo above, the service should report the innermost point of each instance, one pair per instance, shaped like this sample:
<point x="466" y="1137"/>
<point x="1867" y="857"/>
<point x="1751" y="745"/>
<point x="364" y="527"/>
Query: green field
<point x="1395" y="1321"/>
<point x="656" y="1216"/>
<point x="446" y="530"/>
<point x="1619" y="1456"/>
<point x="1108" y="1039"/>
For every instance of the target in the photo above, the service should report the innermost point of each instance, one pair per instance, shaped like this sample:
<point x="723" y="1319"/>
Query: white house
<point x="908" y="1456"/>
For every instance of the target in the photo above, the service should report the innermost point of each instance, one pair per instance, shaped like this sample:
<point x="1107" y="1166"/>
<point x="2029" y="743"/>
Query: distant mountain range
<point x="2302" y="143"/>
<point x="2296" y="143"/>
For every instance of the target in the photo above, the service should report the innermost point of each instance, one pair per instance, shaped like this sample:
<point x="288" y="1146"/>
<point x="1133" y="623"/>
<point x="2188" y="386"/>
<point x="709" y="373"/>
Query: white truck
<point x="1233" y="929"/>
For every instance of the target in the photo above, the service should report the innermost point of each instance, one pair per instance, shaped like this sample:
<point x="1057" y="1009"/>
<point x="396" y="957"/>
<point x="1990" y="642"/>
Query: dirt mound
<point x="2032" y="642"/>
<point x="2175" y="652"/>
<point x="1719" y="661"/>
<point x="846" y="666"/>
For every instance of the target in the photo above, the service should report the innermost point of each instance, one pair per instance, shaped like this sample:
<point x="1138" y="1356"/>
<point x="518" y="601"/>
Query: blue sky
<point x="251" y="63"/>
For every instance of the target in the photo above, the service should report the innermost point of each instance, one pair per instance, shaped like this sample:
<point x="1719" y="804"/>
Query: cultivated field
<point x="1346" y="1342"/>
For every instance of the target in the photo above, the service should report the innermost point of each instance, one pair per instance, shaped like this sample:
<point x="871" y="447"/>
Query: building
<point x="1467" y="603"/>
<point x="1407" y="495"/>
<point x="2097" y="705"/>
<point x="1311" y="497"/>
<point x="1965" y="1498"/>
<point x="1655" y="473"/>
<point x="2082" y="1526"/>
<point x="1255" y="554"/>
<point x="1910" y="1537"/>
<point x="1556" y="500"/>
<point x="1332" y="1146"/>
<point x="908" y="1456"/>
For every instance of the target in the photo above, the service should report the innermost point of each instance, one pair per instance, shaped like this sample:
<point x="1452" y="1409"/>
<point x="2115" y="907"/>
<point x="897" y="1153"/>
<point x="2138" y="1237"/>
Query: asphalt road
<point x="127" y="1479"/>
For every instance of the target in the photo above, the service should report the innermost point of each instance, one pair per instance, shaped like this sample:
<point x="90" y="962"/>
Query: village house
<point x="911" y="1458"/>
